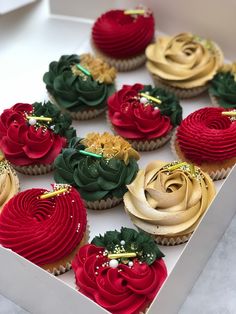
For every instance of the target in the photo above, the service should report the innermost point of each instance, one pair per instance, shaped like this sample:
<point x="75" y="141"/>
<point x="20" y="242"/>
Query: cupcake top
<point x="119" y="34"/>
<point x="80" y="82"/>
<point x="223" y="86"/>
<point x="34" y="134"/>
<point x="43" y="230"/>
<point x="168" y="199"/>
<point x="207" y="135"/>
<point x="184" y="60"/>
<point x="121" y="271"/>
<point x="140" y="112"/>
<point x="9" y="182"/>
<point x="99" y="166"/>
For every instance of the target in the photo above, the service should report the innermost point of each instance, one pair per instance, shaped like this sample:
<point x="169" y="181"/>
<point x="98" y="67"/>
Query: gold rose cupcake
<point x="9" y="182"/>
<point x="183" y="64"/>
<point x="167" y="200"/>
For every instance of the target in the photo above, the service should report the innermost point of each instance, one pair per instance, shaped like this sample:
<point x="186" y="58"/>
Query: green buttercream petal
<point x="169" y="106"/>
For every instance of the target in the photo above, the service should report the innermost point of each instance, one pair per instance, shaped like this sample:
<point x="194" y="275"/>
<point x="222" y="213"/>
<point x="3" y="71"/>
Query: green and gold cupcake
<point x="99" y="166"/>
<point x="80" y="85"/>
<point x="223" y="87"/>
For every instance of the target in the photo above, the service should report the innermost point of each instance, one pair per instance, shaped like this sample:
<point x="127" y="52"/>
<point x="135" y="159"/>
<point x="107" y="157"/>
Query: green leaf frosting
<point x="72" y="92"/>
<point x="134" y="242"/>
<point x="169" y="103"/>
<point x="94" y="178"/>
<point x="60" y="124"/>
<point x="223" y="86"/>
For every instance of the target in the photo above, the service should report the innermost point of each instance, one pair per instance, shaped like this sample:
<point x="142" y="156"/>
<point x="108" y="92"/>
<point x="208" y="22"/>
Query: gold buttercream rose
<point x="184" y="61"/>
<point x="169" y="199"/>
<point x="9" y="182"/>
<point x="109" y="146"/>
<point x="100" y="70"/>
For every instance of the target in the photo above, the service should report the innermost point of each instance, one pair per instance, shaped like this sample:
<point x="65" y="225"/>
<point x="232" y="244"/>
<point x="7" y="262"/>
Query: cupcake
<point x="121" y="36"/>
<point x="99" y="166"/>
<point x="207" y="138"/>
<point x="167" y="200"/>
<point x="121" y="271"/>
<point x="32" y="136"/>
<point x="80" y="85"/>
<point x="47" y="228"/>
<point x="9" y="182"/>
<point x="143" y="115"/>
<point x="183" y="64"/>
<point x="223" y="87"/>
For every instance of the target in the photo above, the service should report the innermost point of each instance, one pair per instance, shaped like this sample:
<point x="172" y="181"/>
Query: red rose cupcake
<point x="32" y="136"/>
<point x="207" y="138"/>
<point x="47" y="228"/>
<point x="121" y="36"/>
<point x="121" y="271"/>
<point x="143" y="115"/>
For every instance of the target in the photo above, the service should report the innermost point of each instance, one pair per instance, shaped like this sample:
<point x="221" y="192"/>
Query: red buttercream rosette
<point x="134" y="120"/>
<point x="123" y="36"/>
<point x="43" y="230"/>
<point x="207" y="136"/>
<point x="23" y="144"/>
<point x="121" y="290"/>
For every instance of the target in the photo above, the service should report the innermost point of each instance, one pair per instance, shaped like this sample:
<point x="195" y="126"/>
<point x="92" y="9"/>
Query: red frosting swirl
<point x="23" y="144"/>
<point x="132" y="119"/>
<point x="122" y="36"/>
<point x="121" y="290"/>
<point x="43" y="230"/>
<point x="207" y="136"/>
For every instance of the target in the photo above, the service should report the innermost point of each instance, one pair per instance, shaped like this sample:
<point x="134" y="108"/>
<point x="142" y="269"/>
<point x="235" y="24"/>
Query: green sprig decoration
<point x="140" y="243"/>
<point x="60" y="124"/>
<point x="169" y="106"/>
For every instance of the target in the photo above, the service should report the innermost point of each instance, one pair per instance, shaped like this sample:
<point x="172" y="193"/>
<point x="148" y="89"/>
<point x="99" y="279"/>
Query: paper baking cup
<point x="103" y="204"/>
<point x="85" y="114"/>
<point x="80" y="115"/>
<point x="215" y="175"/>
<point x="34" y="170"/>
<point x="214" y="100"/>
<point x="182" y="93"/>
<point x="171" y="241"/>
<point x="149" y="145"/>
<point x="122" y="65"/>
<point x="61" y="269"/>
<point x="143" y="145"/>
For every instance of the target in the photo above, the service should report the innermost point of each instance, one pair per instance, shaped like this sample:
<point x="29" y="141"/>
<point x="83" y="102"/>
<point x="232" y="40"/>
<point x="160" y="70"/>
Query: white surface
<point x="32" y="41"/>
<point x="11" y="5"/>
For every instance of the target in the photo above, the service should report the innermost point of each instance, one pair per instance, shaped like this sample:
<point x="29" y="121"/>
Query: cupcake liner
<point x="103" y="204"/>
<point x="34" y="170"/>
<point x="80" y="115"/>
<point x="171" y="241"/>
<point x="168" y="241"/>
<point x="61" y="269"/>
<point x="85" y="114"/>
<point x="122" y="65"/>
<point x="215" y="175"/>
<point x="214" y="100"/>
<point x="149" y="145"/>
<point x="143" y="145"/>
<point x="182" y="93"/>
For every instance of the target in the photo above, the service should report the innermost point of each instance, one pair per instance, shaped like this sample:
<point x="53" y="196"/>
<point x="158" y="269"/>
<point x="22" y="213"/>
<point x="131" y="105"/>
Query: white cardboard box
<point x="11" y="5"/>
<point x="30" y="286"/>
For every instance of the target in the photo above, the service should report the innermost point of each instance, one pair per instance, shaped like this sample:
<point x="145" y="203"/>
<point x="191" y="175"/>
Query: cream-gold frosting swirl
<point x="184" y="61"/>
<point x="9" y="182"/>
<point x="166" y="202"/>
